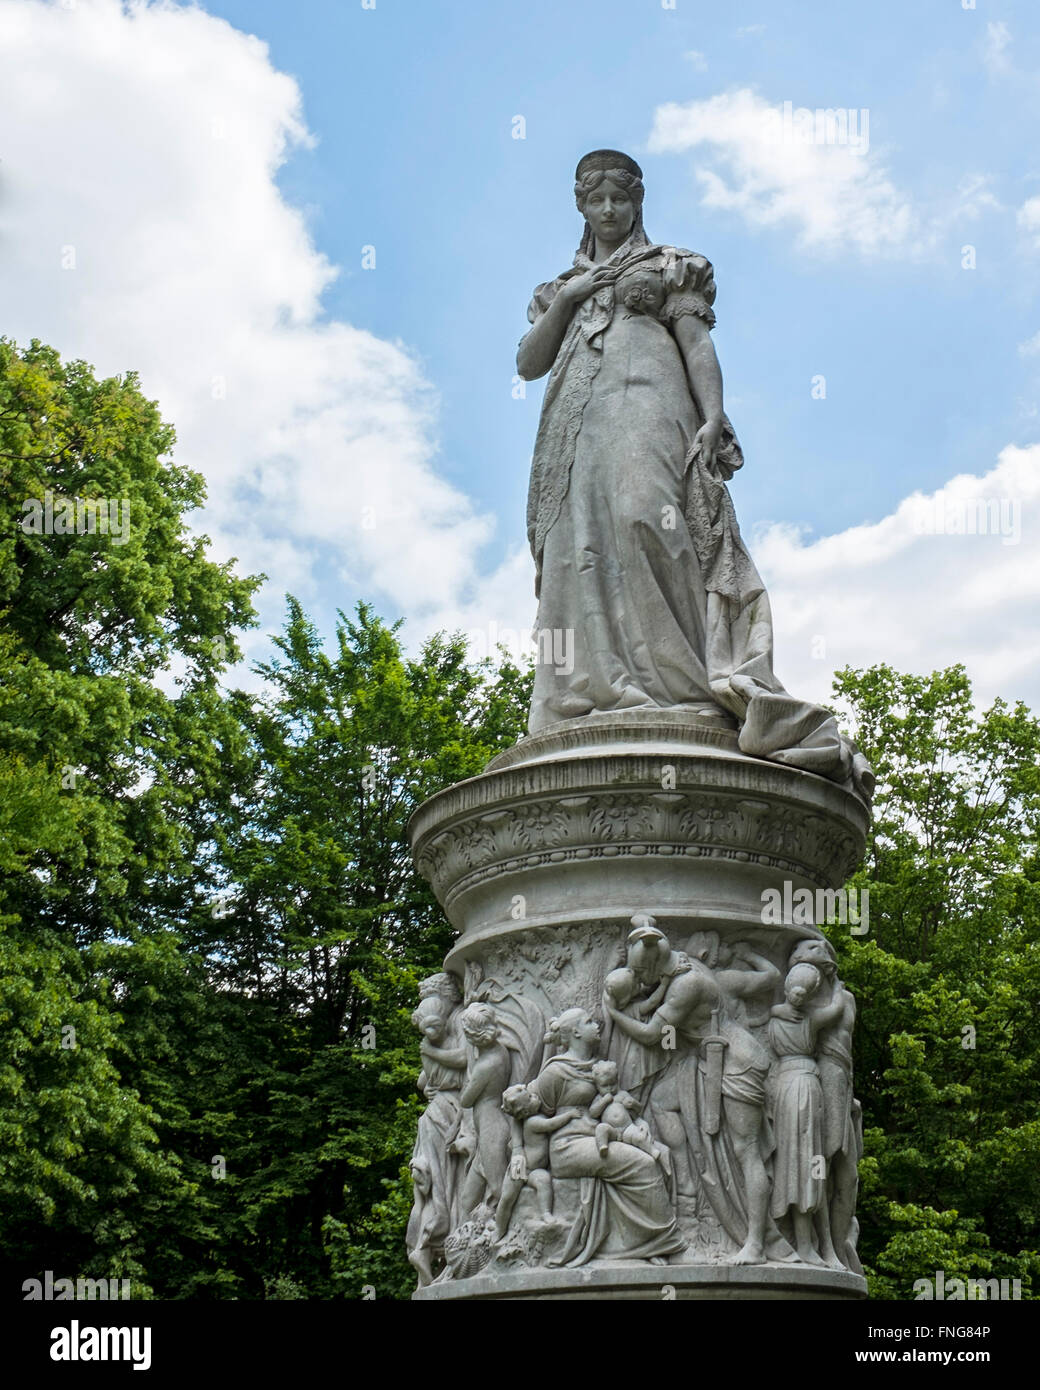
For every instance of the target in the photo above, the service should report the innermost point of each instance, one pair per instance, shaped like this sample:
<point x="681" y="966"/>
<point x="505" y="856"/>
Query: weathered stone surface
<point x="545" y="862"/>
<point x="648" y="597"/>
<point x="639" y="1078"/>
<point x="629" y="793"/>
<point x="675" y="1281"/>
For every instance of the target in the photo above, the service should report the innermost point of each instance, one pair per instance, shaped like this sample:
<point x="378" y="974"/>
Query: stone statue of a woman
<point x="638" y="554"/>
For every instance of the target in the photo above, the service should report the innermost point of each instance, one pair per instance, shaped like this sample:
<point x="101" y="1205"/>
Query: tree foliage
<point x="947" y="1050"/>
<point x="211" y="929"/>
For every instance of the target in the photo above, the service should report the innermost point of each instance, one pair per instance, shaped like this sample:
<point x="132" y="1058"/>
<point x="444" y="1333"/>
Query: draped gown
<point x="625" y="1210"/>
<point x="644" y="582"/>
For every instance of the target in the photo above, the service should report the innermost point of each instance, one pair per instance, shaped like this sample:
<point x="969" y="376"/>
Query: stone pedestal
<point x="541" y="864"/>
<point x="673" y="1282"/>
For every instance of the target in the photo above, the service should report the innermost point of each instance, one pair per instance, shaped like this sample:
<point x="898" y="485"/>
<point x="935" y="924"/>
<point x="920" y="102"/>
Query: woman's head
<point x="573" y="1025"/>
<point x="620" y="986"/>
<point x="608" y="189"/>
<point x="431" y="1018"/>
<point x="801" y="984"/>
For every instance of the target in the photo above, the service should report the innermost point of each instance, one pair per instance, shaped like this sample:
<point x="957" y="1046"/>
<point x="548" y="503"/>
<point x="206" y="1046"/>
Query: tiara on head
<point x="604" y="160"/>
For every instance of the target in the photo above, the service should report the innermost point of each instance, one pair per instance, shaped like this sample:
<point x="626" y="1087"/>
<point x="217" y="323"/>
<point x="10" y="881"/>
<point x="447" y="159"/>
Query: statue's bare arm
<point x="762" y="976"/>
<point x="830" y="1013"/>
<point x="447" y="1056"/>
<point x="548" y="1124"/>
<point x="702" y="367"/>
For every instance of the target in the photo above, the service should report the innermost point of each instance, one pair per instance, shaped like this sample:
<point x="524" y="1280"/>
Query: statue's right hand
<point x="518" y="1168"/>
<point x="581" y="286"/>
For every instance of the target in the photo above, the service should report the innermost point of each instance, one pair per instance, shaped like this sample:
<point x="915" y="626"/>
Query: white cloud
<point x="696" y="59"/>
<point x="809" y="171"/>
<point x="149" y="139"/>
<point x="994" y="47"/>
<point x="1031" y="347"/>
<point x="974" y="197"/>
<point x="918" y="589"/>
<point x="949" y="576"/>
<point x="1028" y="219"/>
<point x="747" y="31"/>
<point x="835" y="197"/>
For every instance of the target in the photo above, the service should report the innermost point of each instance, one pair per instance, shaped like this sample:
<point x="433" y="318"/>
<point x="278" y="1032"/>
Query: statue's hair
<point x="812" y="941"/>
<point x="441" y="986"/>
<point x="431" y="1004"/>
<point x="561" y="1026"/>
<point x="621" y="980"/>
<point x="804" y="974"/>
<point x="479" y="1023"/>
<point x="522" y="1098"/>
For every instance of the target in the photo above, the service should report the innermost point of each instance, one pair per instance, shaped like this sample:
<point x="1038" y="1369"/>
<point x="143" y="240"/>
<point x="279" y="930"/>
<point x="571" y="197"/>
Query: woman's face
<point x="610" y="212"/>
<point x="587" y="1027"/>
<point x="433" y="1028"/>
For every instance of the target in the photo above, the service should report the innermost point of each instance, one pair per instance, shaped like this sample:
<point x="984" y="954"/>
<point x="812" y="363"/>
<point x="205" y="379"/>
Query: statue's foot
<point x="751" y="1253"/>
<point x="571" y="706"/>
<point x="810" y="1257"/>
<point x="710" y="712"/>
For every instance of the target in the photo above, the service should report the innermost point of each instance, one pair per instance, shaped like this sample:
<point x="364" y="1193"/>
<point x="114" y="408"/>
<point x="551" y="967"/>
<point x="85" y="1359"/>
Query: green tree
<point x="326" y="929"/>
<point x="110" y="788"/>
<point x="948" y="981"/>
<point x="92" y="622"/>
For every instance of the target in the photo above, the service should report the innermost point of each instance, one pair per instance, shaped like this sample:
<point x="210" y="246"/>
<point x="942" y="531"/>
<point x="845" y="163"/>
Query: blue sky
<point x="412" y="104"/>
<point x="393" y="127"/>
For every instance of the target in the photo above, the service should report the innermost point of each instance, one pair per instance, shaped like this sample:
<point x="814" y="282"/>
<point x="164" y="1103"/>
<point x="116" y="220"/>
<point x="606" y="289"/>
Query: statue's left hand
<point x="706" y="444"/>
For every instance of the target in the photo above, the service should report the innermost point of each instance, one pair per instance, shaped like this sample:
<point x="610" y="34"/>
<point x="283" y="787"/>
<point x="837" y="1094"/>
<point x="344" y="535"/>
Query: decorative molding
<point x="529" y="833"/>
